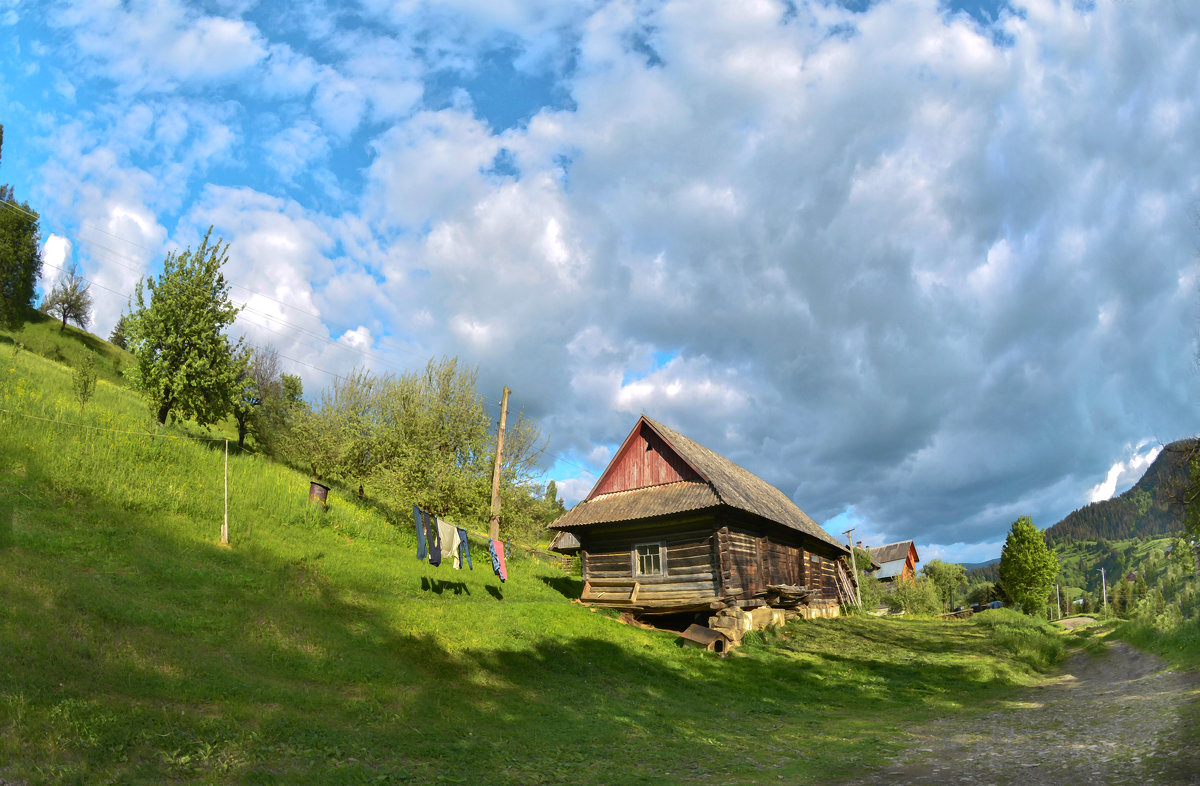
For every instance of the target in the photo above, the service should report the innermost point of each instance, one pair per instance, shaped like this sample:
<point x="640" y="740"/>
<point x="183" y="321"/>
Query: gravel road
<point x="1117" y="718"/>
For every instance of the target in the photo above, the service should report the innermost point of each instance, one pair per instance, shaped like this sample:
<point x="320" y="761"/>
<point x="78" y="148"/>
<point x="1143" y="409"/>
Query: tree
<point x="83" y="380"/>
<point x="118" y="335"/>
<point x="258" y="385"/>
<point x="20" y="258"/>
<point x="70" y="298"/>
<point x="1027" y="567"/>
<point x="185" y="362"/>
<point x="916" y="596"/>
<point x="946" y="576"/>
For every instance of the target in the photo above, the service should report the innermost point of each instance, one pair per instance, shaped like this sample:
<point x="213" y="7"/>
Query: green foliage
<point x="423" y="439"/>
<point x="117" y="336"/>
<point x="265" y="401"/>
<point x="70" y="299"/>
<point x="20" y="259"/>
<point x="83" y="380"/>
<point x="1154" y="506"/>
<point x="915" y="596"/>
<point x="870" y="589"/>
<point x="946" y="576"/>
<point x="1027" y="567"/>
<point x="185" y="362"/>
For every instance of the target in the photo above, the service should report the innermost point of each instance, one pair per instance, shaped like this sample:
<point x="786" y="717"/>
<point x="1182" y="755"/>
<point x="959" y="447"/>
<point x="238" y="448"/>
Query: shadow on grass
<point x="136" y="650"/>
<point x="439" y="586"/>
<point x="567" y="586"/>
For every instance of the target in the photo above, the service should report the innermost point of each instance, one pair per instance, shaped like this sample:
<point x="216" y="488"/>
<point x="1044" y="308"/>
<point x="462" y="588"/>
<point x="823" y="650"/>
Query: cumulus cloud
<point x="919" y="269"/>
<point x="160" y="45"/>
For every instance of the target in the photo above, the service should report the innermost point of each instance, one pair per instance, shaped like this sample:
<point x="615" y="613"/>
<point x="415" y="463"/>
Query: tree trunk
<point x="64" y="324"/>
<point x="241" y="433"/>
<point x="162" y="412"/>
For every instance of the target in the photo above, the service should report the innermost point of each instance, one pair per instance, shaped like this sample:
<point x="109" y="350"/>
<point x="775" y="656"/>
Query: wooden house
<point x="896" y="561"/>
<point x="673" y="527"/>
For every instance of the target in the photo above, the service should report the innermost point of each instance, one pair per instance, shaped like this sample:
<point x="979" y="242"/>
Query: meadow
<point x="315" y="647"/>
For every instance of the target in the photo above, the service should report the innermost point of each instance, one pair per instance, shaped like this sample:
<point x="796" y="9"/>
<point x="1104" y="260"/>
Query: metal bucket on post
<point x="319" y="493"/>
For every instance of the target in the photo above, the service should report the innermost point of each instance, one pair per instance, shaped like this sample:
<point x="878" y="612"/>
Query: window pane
<point x="649" y="559"/>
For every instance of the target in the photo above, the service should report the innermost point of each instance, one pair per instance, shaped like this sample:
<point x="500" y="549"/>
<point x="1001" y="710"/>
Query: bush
<point x="917" y="596"/>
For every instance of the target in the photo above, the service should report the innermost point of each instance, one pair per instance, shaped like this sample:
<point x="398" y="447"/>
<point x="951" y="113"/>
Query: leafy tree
<point x="185" y="363"/>
<point x="259" y="404"/>
<point x="919" y="596"/>
<point x="70" y="298"/>
<point x="981" y="593"/>
<point x="946" y="576"/>
<point x="83" y="380"/>
<point x="118" y="335"/>
<point x="1027" y="567"/>
<point x="20" y="258"/>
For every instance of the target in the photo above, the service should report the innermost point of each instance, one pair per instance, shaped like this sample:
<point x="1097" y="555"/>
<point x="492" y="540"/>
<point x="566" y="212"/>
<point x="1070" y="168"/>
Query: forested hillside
<point x="1148" y="509"/>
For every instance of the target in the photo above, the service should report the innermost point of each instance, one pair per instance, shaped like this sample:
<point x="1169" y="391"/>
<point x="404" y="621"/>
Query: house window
<point x="648" y="559"/>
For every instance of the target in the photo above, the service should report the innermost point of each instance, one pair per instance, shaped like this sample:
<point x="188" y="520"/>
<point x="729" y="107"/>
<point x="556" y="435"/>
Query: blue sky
<point x="926" y="267"/>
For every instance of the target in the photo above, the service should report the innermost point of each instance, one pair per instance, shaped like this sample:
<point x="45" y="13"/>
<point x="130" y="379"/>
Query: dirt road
<point x="1116" y="718"/>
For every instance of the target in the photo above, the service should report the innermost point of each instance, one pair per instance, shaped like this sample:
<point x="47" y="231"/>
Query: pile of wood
<point x="786" y="596"/>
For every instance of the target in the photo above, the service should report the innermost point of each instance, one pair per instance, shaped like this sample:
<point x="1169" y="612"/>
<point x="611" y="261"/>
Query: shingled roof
<point x="891" y="552"/>
<point x="722" y="483"/>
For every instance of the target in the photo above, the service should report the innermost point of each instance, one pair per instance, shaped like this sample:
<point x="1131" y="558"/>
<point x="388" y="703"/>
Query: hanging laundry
<point x="435" y="543"/>
<point x="507" y="549"/>
<point x="498" y="559"/>
<point x="448" y="535"/>
<point x="420" y="532"/>
<point x="464" y="548"/>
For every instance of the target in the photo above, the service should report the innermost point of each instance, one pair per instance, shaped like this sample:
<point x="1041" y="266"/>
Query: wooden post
<point x="1058" y="592"/>
<point x="1104" y="585"/>
<point x="494" y="524"/>
<point x="225" y="524"/>
<point x="854" y="567"/>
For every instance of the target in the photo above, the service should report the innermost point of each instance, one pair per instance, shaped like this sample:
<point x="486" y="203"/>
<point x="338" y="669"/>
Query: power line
<point x="115" y="256"/>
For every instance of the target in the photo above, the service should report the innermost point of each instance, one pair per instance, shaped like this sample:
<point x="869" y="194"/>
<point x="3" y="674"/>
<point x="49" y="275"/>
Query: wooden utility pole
<point x="1104" y="586"/>
<point x="494" y="525"/>
<point x="854" y="567"/>
<point x="225" y="524"/>
<point x="1058" y="592"/>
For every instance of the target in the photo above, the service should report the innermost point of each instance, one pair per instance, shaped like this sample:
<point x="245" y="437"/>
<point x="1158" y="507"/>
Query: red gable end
<point x="644" y="459"/>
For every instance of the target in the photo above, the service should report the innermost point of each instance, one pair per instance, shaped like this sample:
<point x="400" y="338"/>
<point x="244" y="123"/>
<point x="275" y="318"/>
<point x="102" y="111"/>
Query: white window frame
<point x="662" y="559"/>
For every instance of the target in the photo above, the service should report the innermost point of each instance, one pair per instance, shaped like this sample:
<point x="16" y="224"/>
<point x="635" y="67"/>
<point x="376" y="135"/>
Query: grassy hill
<point x="317" y="648"/>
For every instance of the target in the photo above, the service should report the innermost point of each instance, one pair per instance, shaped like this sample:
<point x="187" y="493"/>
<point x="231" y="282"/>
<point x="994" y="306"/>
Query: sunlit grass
<point x="317" y="648"/>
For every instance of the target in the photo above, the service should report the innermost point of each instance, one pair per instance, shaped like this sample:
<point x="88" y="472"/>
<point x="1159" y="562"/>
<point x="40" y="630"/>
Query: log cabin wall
<point x="781" y="561"/>
<point x="686" y="561"/>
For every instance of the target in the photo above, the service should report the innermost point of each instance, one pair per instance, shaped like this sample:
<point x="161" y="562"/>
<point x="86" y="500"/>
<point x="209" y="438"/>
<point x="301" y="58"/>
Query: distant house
<point x="673" y="527"/>
<point x="896" y="560"/>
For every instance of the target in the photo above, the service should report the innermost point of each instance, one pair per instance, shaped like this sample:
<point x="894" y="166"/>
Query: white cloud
<point x="1123" y="474"/>
<point x="160" y="45"/>
<point x="901" y="262"/>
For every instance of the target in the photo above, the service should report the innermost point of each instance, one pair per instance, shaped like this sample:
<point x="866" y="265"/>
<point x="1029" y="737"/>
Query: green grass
<point x="318" y="649"/>
<point x="1180" y="647"/>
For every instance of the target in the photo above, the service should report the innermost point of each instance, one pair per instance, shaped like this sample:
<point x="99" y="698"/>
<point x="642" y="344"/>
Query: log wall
<point x="688" y="571"/>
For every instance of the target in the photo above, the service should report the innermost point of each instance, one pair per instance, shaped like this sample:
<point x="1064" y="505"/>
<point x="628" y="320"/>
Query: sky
<point x="924" y="266"/>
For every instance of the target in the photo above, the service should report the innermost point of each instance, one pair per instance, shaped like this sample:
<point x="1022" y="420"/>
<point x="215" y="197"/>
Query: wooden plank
<point x="597" y="582"/>
<point x="700" y="567"/>
<point x="633" y="596"/>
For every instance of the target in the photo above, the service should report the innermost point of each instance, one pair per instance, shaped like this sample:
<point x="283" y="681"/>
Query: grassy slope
<point x="136" y="649"/>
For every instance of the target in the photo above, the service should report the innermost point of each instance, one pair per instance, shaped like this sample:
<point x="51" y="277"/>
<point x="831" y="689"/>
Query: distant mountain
<point x="1152" y="507"/>
<point x="974" y="565"/>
